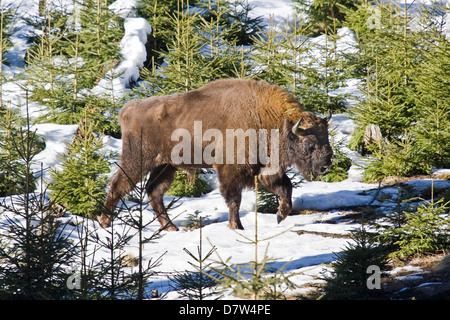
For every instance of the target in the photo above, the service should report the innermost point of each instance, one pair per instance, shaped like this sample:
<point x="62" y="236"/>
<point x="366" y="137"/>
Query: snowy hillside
<point x="324" y="213"/>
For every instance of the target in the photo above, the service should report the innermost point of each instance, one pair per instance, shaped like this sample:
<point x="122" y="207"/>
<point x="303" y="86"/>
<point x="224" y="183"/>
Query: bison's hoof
<point x="235" y="225"/>
<point x="280" y="217"/>
<point x="104" y="221"/>
<point x="170" y="227"/>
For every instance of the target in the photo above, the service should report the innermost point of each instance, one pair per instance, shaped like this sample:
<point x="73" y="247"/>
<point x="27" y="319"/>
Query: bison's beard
<point x="306" y="170"/>
<point x="310" y="171"/>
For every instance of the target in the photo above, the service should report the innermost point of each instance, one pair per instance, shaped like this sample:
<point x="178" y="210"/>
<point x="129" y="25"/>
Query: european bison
<point x="199" y="128"/>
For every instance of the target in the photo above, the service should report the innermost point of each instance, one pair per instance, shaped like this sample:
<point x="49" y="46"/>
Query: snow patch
<point x="133" y="49"/>
<point x="56" y="137"/>
<point x="134" y="54"/>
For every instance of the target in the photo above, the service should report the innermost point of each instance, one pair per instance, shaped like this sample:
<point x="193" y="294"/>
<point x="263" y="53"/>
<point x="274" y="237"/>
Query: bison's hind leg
<point x="231" y="190"/>
<point x="160" y="180"/>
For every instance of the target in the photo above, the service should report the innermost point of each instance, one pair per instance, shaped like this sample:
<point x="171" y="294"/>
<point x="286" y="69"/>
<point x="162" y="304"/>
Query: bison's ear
<point x="297" y="130"/>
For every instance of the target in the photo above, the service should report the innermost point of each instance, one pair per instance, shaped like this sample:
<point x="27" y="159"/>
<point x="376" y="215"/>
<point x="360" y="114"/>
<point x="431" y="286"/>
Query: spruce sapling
<point x="257" y="279"/>
<point x="196" y="285"/>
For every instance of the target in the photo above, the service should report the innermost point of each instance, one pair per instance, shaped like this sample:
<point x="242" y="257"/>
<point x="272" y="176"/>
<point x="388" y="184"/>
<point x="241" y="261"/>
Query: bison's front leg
<point x="121" y="184"/>
<point x="233" y="200"/>
<point x="282" y="187"/>
<point x="160" y="180"/>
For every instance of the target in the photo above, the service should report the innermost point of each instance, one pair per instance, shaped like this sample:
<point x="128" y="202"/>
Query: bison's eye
<point x="308" y="145"/>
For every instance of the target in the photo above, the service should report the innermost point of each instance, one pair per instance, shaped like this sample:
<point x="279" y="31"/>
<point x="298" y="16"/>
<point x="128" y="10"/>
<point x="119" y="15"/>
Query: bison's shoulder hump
<point x="127" y="107"/>
<point x="132" y="109"/>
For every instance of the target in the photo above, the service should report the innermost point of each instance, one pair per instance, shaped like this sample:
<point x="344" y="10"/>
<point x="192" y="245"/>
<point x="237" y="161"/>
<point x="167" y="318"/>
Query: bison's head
<point x="309" y="146"/>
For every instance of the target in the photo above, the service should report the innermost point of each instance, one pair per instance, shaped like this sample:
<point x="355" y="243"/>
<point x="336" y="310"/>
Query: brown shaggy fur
<point x="147" y="126"/>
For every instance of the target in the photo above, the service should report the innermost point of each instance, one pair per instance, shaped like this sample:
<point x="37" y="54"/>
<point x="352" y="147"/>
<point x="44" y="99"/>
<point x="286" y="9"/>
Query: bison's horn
<point x="297" y="130"/>
<point x="328" y="118"/>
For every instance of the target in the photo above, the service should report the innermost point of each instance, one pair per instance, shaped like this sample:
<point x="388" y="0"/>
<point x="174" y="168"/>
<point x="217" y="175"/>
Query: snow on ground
<point x="304" y="241"/>
<point x="56" y="136"/>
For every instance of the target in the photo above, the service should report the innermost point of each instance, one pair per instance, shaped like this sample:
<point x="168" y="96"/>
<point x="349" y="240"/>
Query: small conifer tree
<point x="80" y="183"/>
<point x="416" y="229"/>
<point x="403" y="78"/>
<point x="220" y="29"/>
<point x="18" y="146"/>
<point x="6" y="14"/>
<point x="256" y="279"/>
<point x="110" y="280"/>
<point x="196" y="285"/>
<point x="245" y="27"/>
<point x="323" y="13"/>
<point x="132" y="215"/>
<point x="348" y="279"/>
<point x="383" y="47"/>
<point x="268" y="56"/>
<point x="188" y="184"/>
<point x="13" y="145"/>
<point x="432" y="98"/>
<point x="424" y="231"/>
<point x="34" y="248"/>
<point x="74" y="50"/>
<point x="159" y="14"/>
<point x="286" y="56"/>
<point x="267" y="201"/>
